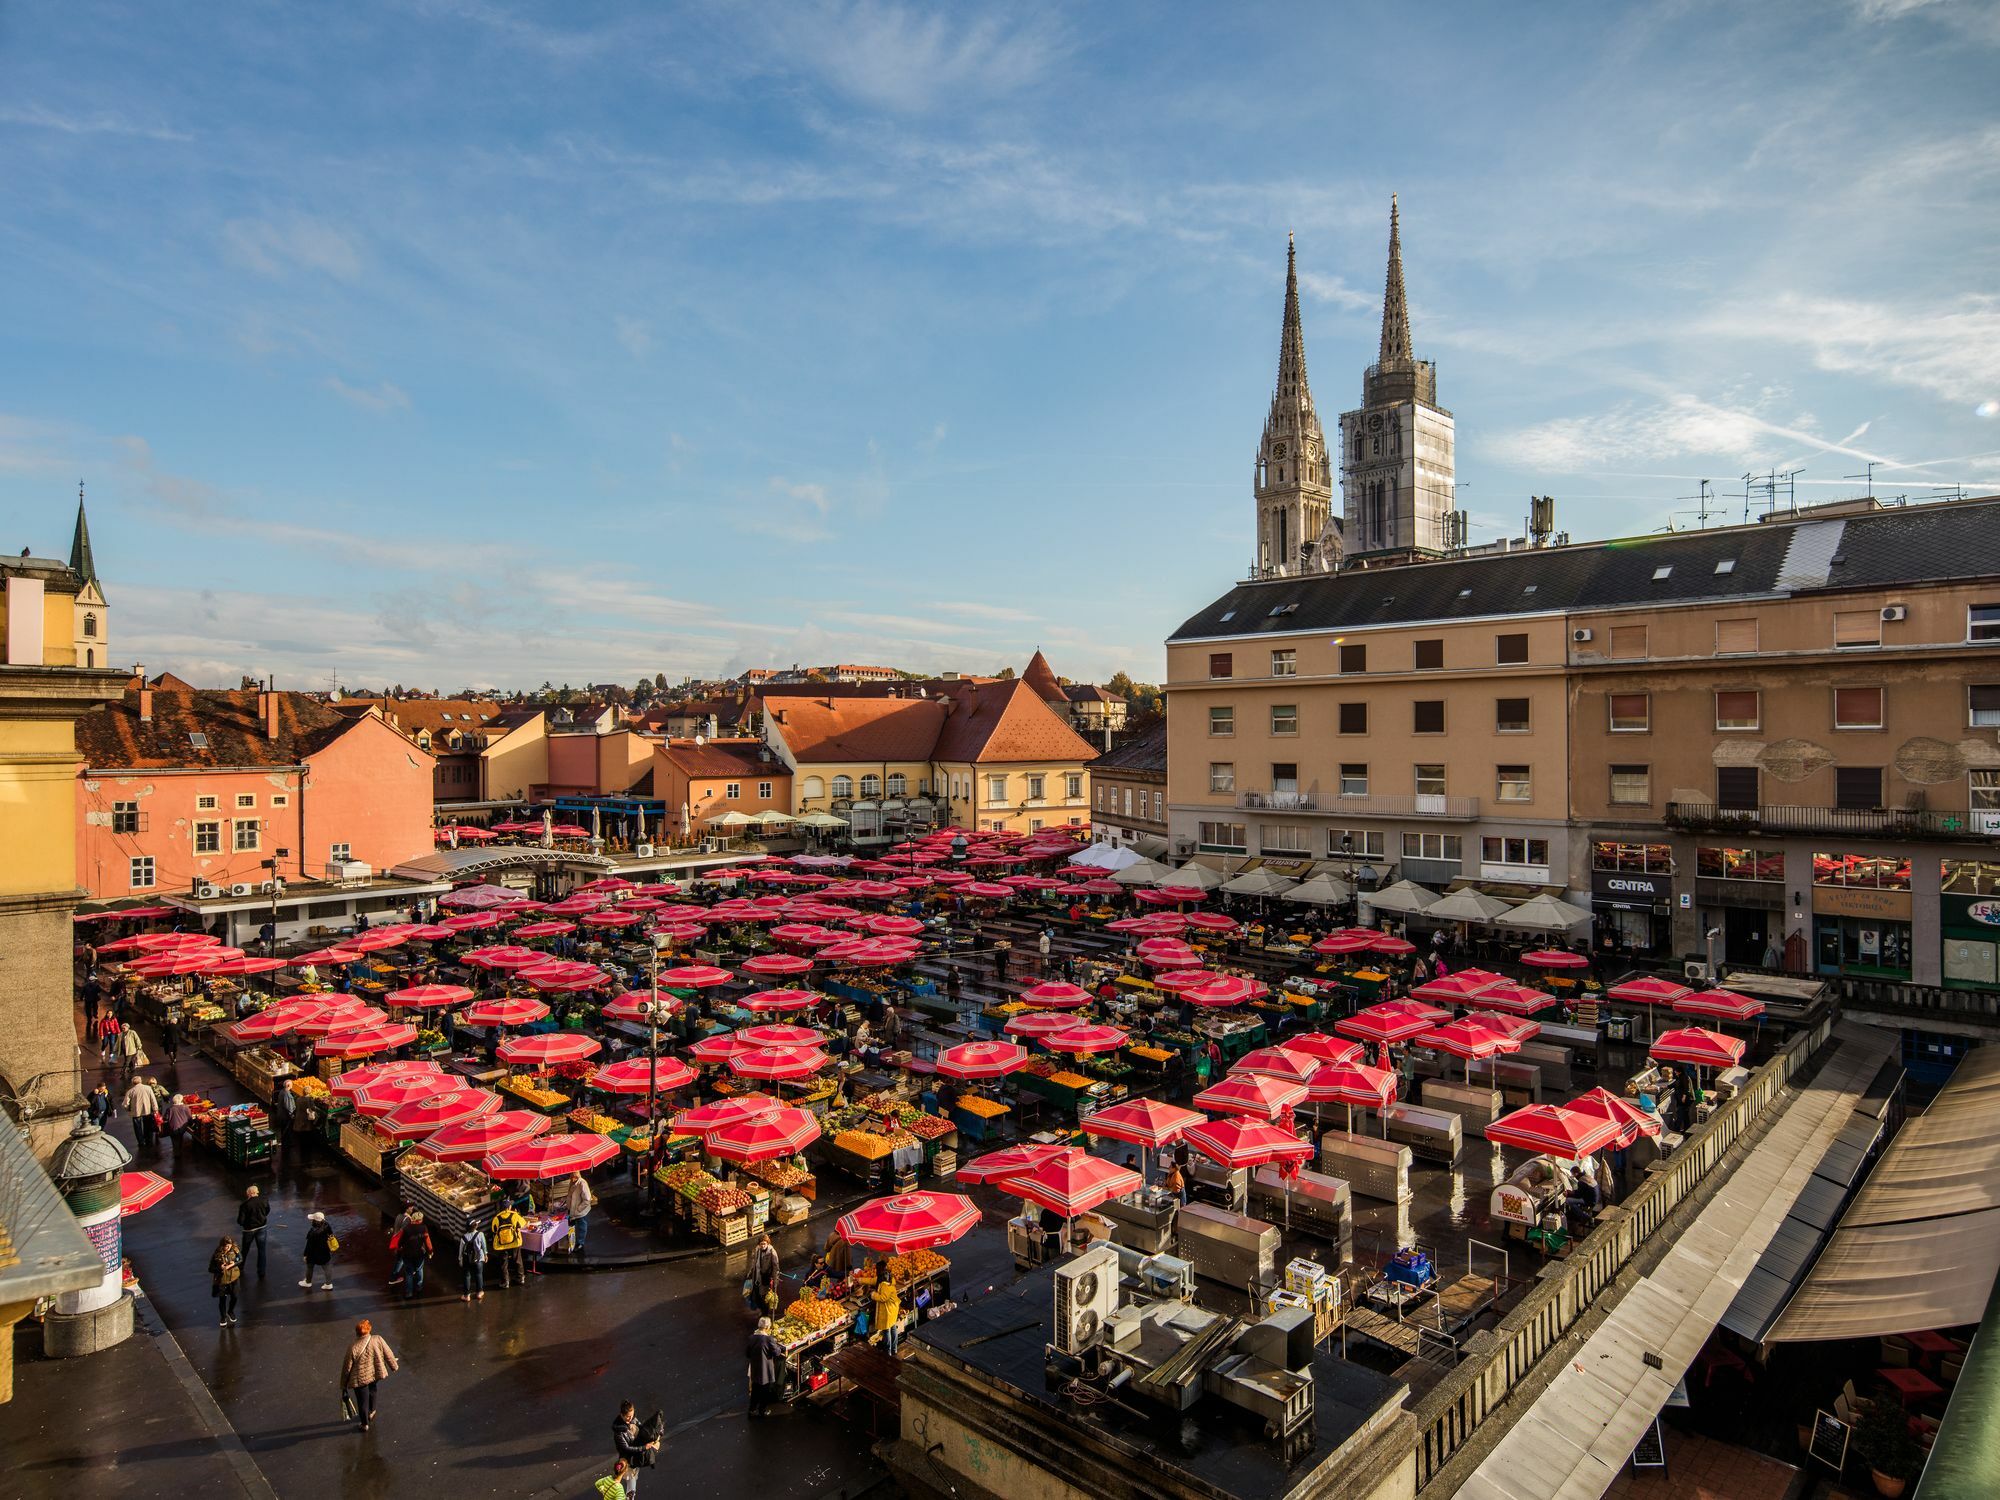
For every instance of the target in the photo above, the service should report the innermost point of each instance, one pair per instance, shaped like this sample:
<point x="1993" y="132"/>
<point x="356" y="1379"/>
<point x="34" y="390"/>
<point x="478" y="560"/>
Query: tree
<point x="1005" y="674"/>
<point x="1120" y="685"/>
<point x="660" y="681"/>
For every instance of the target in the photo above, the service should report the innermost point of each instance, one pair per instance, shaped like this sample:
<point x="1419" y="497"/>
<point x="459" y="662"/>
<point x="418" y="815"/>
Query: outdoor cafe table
<point x="1911" y="1385"/>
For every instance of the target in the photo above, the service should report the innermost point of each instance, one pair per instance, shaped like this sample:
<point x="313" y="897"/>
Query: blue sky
<point x="468" y="343"/>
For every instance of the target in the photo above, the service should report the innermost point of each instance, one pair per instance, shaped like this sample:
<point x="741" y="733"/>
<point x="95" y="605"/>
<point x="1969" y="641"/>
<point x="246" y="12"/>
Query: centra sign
<point x="1631" y="885"/>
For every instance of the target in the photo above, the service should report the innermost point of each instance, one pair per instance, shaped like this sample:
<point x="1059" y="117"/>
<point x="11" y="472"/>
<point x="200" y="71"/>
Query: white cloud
<point x="1950" y="350"/>
<point x="379" y="398"/>
<point x="277" y="248"/>
<point x="1681" y="427"/>
<point x="41" y="117"/>
<point x="634" y="334"/>
<point x="1336" y="292"/>
<point x="909" y="60"/>
<point x="813" y="495"/>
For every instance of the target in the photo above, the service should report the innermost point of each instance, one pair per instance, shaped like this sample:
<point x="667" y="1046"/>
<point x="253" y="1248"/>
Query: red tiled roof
<point x="1007" y="722"/>
<point x="113" y="737"/>
<point x="438" y="715"/>
<point x="820" y="728"/>
<point x="1042" y="678"/>
<point x="738" y="758"/>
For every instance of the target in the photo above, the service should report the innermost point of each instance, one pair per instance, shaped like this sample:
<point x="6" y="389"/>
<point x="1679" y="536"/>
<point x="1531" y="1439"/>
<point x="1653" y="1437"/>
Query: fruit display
<point x="723" y="1200"/>
<point x="980" y="1105"/>
<point x="308" y="1087"/>
<point x="930" y="1128"/>
<point x="686" y="1178"/>
<point x="905" y="1268"/>
<point x="1152" y="1054"/>
<point x="589" y="1119"/>
<point x="532" y="1092"/>
<point x="429" y="1039"/>
<point x="863" y="1143"/>
<point x="791" y="1333"/>
<point x="780" y="1174"/>
<point x="202" y="1012"/>
<point x="816" y="1313"/>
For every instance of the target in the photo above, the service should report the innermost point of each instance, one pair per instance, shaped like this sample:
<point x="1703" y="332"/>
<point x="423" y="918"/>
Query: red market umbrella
<point x="1142" y="1122"/>
<point x="1179" y="981"/>
<point x="639" y="1075"/>
<point x="986" y="890"/>
<point x="376" y="939"/>
<point x="1555" y="958"/>
<point x="694" y="977"/>
<point x="1317" y="1044"/>
<point x="551" y="1156"/>
<point x="1042" y="1023"/>
<point x="506" y="956"/>
<point x="1631" y="1120"/>
<point x="1723" y="1005"/>
<point x="548" y="1047"/>
<point x="176" y="961"/>
<point x="1453" y="989"/>
<point x="1098" y="887"/>
<point x="338" y="1015"/>
<point x="807" y="935"/>
<point x="1212" y="921"/>
<point x="713" y="1116"/>
<point x="509" y="1010"/>
<point x="428" y="996"/>
<point x="776" y="1001"/>
<point x="981" y="1059"/>
<point x="1085" y="1039"/>
<point x="780" y="1035"/>
<point x="762" y="1137"/>
<point x="471" y="921"/>
<point x="613" y="918"/>
<point x="642" y="1006"/>
<point x="1246" y="1143"/>
<point x="245" y="966"/>
<point x="326" y="956"/>
<point x="1167" y="953"/>
<point x="368" y="1040"/>
<point x="382" y="1095"/>
<point x="1388" y="1022"/>
<point x="420" y="1117"/>
<point x="477" y="1138"/>
<point x="1054" y="994"/>
<point x="1278" y="1062"/>
<point x="776" y="965"/>
<point x="139" y="1191"/>
<point x="1514" y="1028"/>
<point x="278" y="1020"/>
<point x="719" y="1048"/>
<point x="1698" y="1047"/>
<point x="909" y="1221"/>
<point x="1072" y="1182"/>
<point x="1347" y="940"/>
<point x="346" y="1085"/>
<point x="772" y="1064"/>
<point x="1226" y="990"/>
<point x="1352" y="1083"/>
<point x="1392" y="945"/>
<point x="1550" y="1130"/>
<point x="567" y="979"/>
<point x="1251" y="1094"/>
<point x="891" y="926"/>
<point x="543" y="929"/>
<point x="1463" y="1039"/>
<point x="1649" y="989"/>
<point x="1008" y="1161"/>
<point x="1515" y="999"/>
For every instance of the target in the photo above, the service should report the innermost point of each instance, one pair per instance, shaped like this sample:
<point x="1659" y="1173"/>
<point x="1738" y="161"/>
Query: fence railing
<point x="1855" y="822"/>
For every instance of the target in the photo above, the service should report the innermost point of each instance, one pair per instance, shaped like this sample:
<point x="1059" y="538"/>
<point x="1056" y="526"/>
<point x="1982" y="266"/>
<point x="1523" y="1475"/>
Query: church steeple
<point x="80" y="561"/>
<point x="1292" y="341"/>
<point x="1395" y="309"/>
<point x="1293" y="483"/>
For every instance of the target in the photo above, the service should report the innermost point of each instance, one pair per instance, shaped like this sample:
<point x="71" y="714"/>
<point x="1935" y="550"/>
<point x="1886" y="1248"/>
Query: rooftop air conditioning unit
<point x="644" y="851"/>
<point x="267" y="888"/>
<point x="1695" y="968"/>
<point x="1580" y="635"/>
<point x="206" y="890"/>
<point x="242" y="888"/>
<point x="1086" y="1296"/>
<point x="355" y="869"/>
<point x="1893" y="612"/>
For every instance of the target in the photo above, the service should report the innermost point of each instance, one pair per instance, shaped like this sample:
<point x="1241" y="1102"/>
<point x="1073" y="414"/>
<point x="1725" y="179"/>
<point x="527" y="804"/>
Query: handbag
<point x="332" y="1243"/>
<point x="349" y="1410"/>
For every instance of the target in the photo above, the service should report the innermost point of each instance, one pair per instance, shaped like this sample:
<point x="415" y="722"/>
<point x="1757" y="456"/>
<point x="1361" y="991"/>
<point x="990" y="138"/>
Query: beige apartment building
<point x="1786" y="733"/>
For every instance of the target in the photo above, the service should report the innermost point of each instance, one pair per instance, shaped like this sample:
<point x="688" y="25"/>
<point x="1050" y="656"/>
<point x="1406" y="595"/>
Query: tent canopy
<point x="1145" y="872"/>
<point x="1258" y="883"/>
<point x="1322" y="890"/>
<point x="1404" y="896"/>
<point x="1201" y="877"/>
<point x="1468" y="905"/>
<point x="1542" y="914"/>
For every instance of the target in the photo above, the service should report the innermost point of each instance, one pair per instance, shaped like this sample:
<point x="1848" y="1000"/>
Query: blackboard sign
<point x="1829" y="1440"/>
<point x="1652" y="1450"/>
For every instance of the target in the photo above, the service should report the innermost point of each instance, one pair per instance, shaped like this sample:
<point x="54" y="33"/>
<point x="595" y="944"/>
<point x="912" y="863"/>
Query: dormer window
<point x="423" y="739"/>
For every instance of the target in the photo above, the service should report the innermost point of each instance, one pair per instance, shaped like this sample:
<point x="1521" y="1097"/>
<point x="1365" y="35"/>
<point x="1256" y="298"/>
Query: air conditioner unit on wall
<point x="204" y="891"/>
<point x="1580" y="635"/>
<point x="644" y="851"/>
<point x="1696" y="969"/>
<point x="1893" y="612"/>
<point x="242" y="888"/>
<point x="1086" y="1295"/>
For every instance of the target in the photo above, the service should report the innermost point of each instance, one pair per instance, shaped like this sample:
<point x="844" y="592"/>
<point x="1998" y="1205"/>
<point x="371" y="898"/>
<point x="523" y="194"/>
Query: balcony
<point x="1855" y="822"/>
<point x="1446" y="809"/>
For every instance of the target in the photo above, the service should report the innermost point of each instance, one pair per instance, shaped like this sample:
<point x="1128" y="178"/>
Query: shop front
<point x="1969" y="923"/>
<point x="1634" y="911"/>
<point x="1861" y="932"/>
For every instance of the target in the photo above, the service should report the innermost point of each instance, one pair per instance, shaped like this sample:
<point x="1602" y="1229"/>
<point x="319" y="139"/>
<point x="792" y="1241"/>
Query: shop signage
<point x="1629" y="885"/>
<point x="1851" y="901"/>
<point x="1987" y="912"/>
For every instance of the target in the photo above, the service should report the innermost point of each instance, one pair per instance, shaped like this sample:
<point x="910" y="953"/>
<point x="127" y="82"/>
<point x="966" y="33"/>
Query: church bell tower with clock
<point x="1296" y="532"/>
<point x="1396" y="451"/>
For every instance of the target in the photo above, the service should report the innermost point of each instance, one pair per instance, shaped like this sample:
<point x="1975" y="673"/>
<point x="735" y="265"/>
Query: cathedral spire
<point x="1395" y="310"/>
<point x="1292" y="341"/>
<point x="80" y="561"/>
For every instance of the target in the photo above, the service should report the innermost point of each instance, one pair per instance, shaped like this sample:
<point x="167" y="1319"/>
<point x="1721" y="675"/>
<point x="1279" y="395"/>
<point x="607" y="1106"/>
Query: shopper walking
<point x="321" y="1242"/>
<point x="369" y="1362"/>
<point x="225" y="1271"/>
<point x="578" y="1203"/>
<point x="764" y="1275"/>
<point x="507" y="1227"/>
<point x="142" y="1103"/>
<point x="253" y="1218"/>
<point x="413" y="1248"/>
<point x="178" y="1123"/>
<point x="472" y="1263"/>
<point x="170" y="1042"/>
<point x="101" y="1107"/>
<point x="765" y="1359"/>
<point x="131" y="1053"/>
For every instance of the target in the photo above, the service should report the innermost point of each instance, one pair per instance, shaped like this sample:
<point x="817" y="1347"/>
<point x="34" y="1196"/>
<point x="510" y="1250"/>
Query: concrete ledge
<point x="68" y="1335"/>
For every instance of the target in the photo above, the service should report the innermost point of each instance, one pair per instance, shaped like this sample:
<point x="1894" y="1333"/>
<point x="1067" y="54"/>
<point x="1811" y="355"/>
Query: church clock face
<point x="1277" y="450"/>
<point x="1375" y="421"/>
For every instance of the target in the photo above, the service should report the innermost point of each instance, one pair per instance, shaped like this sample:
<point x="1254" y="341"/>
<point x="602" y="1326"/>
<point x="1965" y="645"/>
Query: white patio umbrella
<point x="1468" y="905"/>
<point x="1403" y="896"/>
<point x="1201" y="877"/>
<point x="1145" y="872"/>
<point x="1543" y="914"/>
<point x="1321" y="890"/>
<point x="1258" y="883"/>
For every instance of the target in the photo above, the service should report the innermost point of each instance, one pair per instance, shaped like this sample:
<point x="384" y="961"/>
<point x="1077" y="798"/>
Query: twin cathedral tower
<point x="1394" y="452"/>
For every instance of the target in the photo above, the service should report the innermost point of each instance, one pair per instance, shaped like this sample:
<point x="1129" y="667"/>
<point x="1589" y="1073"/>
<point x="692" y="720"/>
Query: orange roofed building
<point x="703" y="781"/>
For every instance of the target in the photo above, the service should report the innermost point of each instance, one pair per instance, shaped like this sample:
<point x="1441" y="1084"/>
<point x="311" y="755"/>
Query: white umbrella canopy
<point x="1468" y="905"/>
<point x="1321" y="890"/>
<point x="731" y="819"/>
<point x="818" y="819"/>
<point x="772" y="815"/>
<point x="1403" y="896"/>
<point x="1200" y="877"/>
<point x="1543" y="914"/>
<point x="1107" y="857"/>
<point x="1145" y="872"/>
<point x="1258" y="883"/>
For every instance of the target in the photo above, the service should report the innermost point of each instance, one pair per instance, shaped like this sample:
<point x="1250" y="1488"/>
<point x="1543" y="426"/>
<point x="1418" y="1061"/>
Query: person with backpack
<point x="507" y="1228"/>
<point x="321" y="1243"/>
<point x="472" y="1263"/>
<point x="225" y="1270"/>
<point x="638" y="1446"/>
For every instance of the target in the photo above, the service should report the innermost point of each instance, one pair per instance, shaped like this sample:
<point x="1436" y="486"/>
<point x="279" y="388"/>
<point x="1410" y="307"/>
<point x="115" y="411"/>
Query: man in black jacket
<point x="765" y="1359"/>
<point x="638" y="1446"/>
<point x="252" y="1215"/>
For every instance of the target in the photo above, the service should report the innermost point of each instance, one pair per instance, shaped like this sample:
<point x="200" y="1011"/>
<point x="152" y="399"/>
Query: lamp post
<point x="652" y="1057"/>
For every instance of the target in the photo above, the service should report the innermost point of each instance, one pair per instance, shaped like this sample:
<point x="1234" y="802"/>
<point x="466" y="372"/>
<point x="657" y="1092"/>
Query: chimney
<point x="145" y="694"/>
<point x="267" y="703"/>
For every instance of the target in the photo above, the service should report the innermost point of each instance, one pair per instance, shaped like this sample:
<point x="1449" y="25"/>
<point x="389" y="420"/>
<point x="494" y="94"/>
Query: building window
<point x="1735" y="637"/>
<point x="90" y="625"/>
<point x="1971" y="877"/>
<point x="812" y="786"/>
<point x="249" y="834"/>
<point x="1036" y="786"/>
<point x="1282" y="838"/>
<point x="843" y="787"/>
<point x="1857" y="708"/>
<point x="1429" y="779"/>
<point x="1738" y="708"/>
<point x="1983" y="704"/>
<point x="1221" y="722"/>
<point x="1285" y="663"/>
<point x="1353" y="718"/>
<point x="1222" y="776"/>
<point x="1740" y="864"/>
<point x="1643" y="859"/>
<point x="1513" y="784"/>
<point x="1631" y="786"/>
<point x="340" y="854"/>
<point x="1867" y="872"/>
<point x="1073" y="784"/>
<point x="1857" y="788"/>
<point x="1631" y="713"/>
<point x="246" y="799"/>
<point x="280" y="799"/>
<point x="1159" y="807"/>
<point x="1628" y="642"/>
<point x="1354" y="658"/>
<point x="1430" y="656"/>
<point x="1221" y="664"/>
<point x="1514" y="852"/>
<point x="1427" y="716"/>
<point x="204" y="803"/>
<point x="996" y="790"/>
<point x="1857" y="627"/>
<point x="1035" y="825"/>
<point x="208" y="837"/>
<point x="764" y="789"/>
<point x="731" y="790"/>
<point x="1983" y="789"/>
<point x="1355" y="843"/>
<point x="1982" y="622"/>
<point x="1222" y="838"/>
<point x="1510" y="650"/>
<point x="124" y="817"/>
<point x="1736" y="788"/>
<point x="871" y="785"/>
<point x="1354" y="779"/>
<point x="1284" y="718"/>
<point x="1438" y="846"/>
<point x="1510" y="715"/>
<point x="142" y="872"/>
<point x="898" y="785"/>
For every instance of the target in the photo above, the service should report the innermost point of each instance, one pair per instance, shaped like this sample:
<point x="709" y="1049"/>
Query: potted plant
<point x="1883" y="1442"/>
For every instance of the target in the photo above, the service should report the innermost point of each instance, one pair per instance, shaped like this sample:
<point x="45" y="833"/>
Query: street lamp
<point x="652" y="1056"/>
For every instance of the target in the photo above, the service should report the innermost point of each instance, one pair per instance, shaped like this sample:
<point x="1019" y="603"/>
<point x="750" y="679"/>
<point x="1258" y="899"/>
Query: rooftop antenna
<point x="1541" y="519"/>
<point x="1869" y="475"/>
<point x="1704" y="504"/>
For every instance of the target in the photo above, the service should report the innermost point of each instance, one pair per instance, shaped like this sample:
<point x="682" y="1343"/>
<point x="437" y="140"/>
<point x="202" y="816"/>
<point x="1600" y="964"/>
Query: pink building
<point x="181" y="790"/>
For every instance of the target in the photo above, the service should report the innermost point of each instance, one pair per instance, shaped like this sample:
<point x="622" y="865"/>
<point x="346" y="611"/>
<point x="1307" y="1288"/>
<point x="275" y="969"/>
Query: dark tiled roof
<point x="1904" y="545"/>
<point x="113" y="737"/>
<point x="1145" y="752"/>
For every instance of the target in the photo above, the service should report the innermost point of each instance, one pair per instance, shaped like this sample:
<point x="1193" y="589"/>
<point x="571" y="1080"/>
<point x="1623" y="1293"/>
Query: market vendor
<point x="888" y="1308"/>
